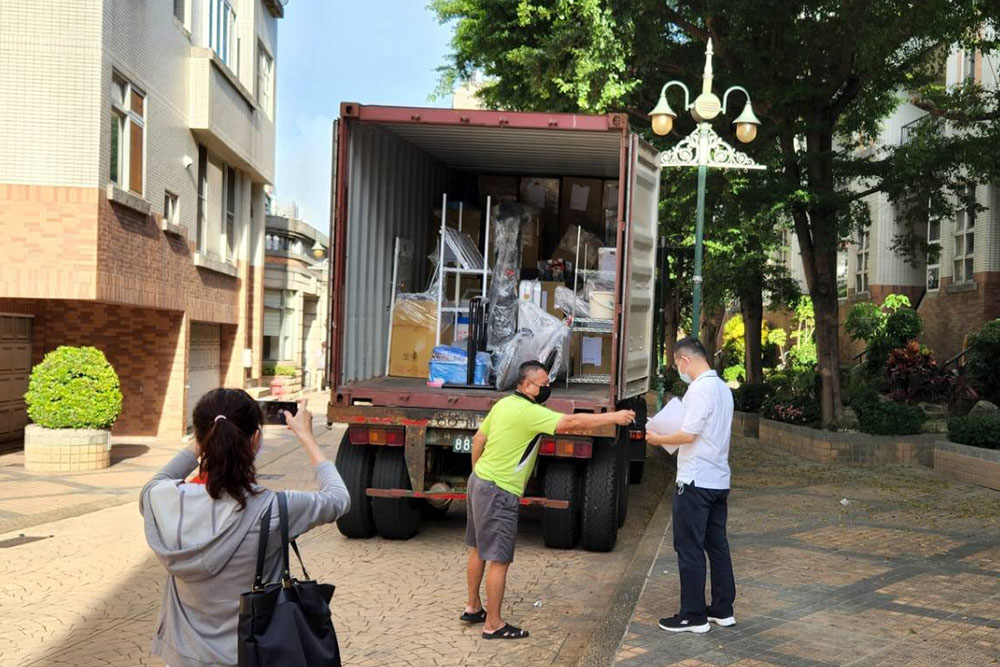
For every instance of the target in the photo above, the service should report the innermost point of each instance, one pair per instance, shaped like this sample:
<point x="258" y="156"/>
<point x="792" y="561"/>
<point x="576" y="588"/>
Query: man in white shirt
<point x="700" y="510"/>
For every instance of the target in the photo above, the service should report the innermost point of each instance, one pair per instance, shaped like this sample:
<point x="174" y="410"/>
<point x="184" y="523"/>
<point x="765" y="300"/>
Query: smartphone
<point x="274" y="411"/>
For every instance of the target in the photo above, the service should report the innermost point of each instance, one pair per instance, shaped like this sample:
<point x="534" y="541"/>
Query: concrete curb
<point x="603" y="646"/>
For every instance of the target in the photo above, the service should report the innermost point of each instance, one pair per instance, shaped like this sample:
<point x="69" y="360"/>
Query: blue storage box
<point x="449" y="365"/>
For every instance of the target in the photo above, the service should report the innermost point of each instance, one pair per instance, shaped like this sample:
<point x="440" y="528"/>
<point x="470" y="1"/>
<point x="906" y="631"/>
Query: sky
<point x="333" y="51"/>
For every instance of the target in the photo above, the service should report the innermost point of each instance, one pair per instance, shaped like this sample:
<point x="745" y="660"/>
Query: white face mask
<point x="685" y="378"/>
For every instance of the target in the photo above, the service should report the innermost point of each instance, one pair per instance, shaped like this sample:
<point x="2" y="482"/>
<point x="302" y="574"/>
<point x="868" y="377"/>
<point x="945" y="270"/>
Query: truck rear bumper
<point x="456" y="495"/>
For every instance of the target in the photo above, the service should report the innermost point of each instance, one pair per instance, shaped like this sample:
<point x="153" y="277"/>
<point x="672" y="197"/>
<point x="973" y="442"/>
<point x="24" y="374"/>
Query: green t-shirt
<point x="511" y="429"/>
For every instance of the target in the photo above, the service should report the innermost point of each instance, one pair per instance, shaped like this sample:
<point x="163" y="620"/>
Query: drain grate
<point x="270" y="475"/>
<point x="21" y="539"/>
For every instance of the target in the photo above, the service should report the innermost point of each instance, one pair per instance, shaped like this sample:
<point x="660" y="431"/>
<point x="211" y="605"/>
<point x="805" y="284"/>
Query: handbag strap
<point x="286" y="574"/>
<point x="265" y="528"/>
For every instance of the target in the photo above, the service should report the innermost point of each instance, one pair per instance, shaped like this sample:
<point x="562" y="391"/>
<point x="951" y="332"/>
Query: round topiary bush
<point x="74" y="387"/>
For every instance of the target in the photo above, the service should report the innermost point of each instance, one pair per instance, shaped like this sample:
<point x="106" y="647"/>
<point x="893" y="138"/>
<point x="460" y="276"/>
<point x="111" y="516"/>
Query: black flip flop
<point x="508" y="631"/>
<point x="478" y="617"/>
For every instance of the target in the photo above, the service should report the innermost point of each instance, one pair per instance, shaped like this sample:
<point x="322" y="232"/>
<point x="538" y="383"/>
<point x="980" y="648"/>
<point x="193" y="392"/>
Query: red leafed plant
<point x="914" y="375"/>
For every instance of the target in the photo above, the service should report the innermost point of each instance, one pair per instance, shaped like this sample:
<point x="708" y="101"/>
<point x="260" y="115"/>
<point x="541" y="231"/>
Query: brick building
<point x="138" y="143"/>
<point x="959" y="291"/>
<point x="296" y="295"/>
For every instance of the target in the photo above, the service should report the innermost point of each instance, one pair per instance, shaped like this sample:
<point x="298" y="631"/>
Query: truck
<point x="406" y="447"/>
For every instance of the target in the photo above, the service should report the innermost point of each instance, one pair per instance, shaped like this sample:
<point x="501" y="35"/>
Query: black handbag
<point x="286" y="623"/>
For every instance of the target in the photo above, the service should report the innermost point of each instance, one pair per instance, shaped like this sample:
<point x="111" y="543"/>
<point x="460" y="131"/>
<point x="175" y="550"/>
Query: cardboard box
<point x="414" y="333"/>
<point x="591" y="354"/>
<point x="589" y="245"/>
<point x="500" y="188"/>
<point x="581" y="204"/>
<point x="471" y="225"/>
<point x="543" y="194"/>
<point x="609" y="200"/>
<point x="531" y="244"/>
<point x="549" y="298"/>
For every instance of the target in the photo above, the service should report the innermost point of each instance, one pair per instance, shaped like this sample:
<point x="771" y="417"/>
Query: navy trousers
<point x="699" y="523"/>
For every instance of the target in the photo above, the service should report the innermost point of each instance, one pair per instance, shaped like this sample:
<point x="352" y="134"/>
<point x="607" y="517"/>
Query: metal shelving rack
<point x="591" y="325"/>
<point x="468" y="260"/>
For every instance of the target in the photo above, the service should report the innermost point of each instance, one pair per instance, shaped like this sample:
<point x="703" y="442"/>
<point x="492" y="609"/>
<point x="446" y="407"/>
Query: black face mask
<point x="543" y="394"/>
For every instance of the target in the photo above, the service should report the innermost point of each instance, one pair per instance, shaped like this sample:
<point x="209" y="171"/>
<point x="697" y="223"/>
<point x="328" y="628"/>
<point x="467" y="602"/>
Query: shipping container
<point x="406" y="445"/>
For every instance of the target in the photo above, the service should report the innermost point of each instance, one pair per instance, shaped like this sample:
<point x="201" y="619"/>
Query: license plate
<point x="462" y="444"/>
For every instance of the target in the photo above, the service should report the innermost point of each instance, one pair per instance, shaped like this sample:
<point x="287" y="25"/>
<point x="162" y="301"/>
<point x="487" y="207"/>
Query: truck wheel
<point x="622" y="468"/>
<point x="354" y="462"/>
<point x="635" y="470"/>
<point x="395" y="518"/>
<point x="561" y="528"/>
<point x="599" y="521"/>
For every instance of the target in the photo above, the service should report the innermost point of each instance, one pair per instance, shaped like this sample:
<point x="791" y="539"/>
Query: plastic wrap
<point x="538" y="336"/>
<point x="449" y="365"/>
<point x="503" y="297"/>
<point x="570" y="303"/>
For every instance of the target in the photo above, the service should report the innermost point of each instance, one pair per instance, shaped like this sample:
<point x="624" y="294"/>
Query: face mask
<point x="685" y="378"/>
<point x="543" y="394"/>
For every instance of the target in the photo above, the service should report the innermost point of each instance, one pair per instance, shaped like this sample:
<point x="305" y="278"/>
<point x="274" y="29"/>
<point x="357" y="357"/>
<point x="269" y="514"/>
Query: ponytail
<point x="225" y="422"/>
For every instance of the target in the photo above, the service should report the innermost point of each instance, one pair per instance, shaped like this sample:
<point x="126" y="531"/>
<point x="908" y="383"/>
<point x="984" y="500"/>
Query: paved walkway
<point x="905" y="572"/>
<point x="86" y="591"/>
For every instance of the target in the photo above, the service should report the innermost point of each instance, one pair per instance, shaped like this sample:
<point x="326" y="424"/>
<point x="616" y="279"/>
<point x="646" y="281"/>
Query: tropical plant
<point x="913" y="375"/>
<point x="884" y="329"/>
<point x="982" y="361"/>
<point x="74" y="387"/>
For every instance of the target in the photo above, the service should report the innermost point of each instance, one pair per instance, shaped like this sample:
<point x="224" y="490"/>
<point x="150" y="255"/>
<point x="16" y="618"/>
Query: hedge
<point x="975" y="430"/>
<point x="74" y="387"/>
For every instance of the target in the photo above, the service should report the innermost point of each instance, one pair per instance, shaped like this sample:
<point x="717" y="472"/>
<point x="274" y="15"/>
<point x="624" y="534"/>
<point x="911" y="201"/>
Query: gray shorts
<point x="492" y="520"/>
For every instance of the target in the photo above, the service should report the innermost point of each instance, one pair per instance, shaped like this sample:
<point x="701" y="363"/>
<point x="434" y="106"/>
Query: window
<point x="969" y="65"/>
<point x="965" y="238"/>
<point x="265" y="80"/>
<point x="933" y="254"/>
<point x="202" y="226"/>
<point x="222" y="37"/>
<point x="279" y="321"/>
<point x="218" y="208"/>
<point x="861" y="263"/>
<point x="170" y="213"/>
<point x="128" y="126"/>
<point x="232" y="188"/>
<point x="180" y="10"/>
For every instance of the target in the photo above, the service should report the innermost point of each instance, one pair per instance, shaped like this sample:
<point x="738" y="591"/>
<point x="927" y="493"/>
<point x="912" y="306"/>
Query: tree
<point x="823" y="75"/>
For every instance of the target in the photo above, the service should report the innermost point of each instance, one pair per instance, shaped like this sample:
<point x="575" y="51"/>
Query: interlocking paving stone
<point x="906" y="573"/>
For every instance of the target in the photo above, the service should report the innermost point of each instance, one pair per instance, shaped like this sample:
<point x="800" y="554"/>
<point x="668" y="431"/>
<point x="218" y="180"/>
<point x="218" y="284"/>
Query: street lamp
<point x="703" y="148"/>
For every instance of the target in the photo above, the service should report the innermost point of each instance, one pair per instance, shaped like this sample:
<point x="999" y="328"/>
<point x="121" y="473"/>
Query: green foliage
<point x="736" y="373"/>
<point x="799" y="409"/>
<point x="856" y="389"/>
<point x="778" y="337"/>
<point x="802" y="355"/>
<point x="750" y="397"/>
<point x="884" y="329"/>
<point x="278" y="369"/>
<point x="884" y="418"/>
<point x="975" y="430"/>
<point x="865" y="321"/>
<point x="74" y="387"/>
<point x="982" y="361"/>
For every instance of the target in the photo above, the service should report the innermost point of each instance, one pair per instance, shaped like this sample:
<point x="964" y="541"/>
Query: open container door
<point x="639" y="266"/>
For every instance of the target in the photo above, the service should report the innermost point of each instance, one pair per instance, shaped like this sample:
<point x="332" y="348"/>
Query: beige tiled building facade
<point x="138" y="142"/>
<point x="959" y="291"/>
<point x="296" y="297"/>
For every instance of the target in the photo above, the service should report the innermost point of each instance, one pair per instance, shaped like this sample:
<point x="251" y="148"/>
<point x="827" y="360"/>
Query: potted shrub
<point x="284" y="379"/>
<point x="73" y="398"/>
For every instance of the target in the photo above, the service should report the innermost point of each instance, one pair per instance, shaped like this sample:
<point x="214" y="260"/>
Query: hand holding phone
<point x="274" y="411"/>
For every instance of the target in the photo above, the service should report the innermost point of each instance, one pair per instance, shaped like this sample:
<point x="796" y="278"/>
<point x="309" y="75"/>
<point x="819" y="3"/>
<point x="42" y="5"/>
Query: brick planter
<point x="66" y="449"/>
<point x="746" y="424"/>
<point x="850" y="448"/>
<point x="974" y="465"/>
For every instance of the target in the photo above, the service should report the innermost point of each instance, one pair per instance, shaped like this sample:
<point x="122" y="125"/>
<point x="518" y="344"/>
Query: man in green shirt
<point x="503" y="455"/>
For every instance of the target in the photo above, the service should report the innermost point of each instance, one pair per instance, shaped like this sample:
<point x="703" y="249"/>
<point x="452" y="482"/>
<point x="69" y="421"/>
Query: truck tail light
<point x="370" y="435"/>
<point x="637" y="435"/>
<point x="566" y="447"/>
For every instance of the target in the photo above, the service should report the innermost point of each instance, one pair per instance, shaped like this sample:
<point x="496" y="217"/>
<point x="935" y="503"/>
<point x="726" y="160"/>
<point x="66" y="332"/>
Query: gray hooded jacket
<point x="209" y="548"/>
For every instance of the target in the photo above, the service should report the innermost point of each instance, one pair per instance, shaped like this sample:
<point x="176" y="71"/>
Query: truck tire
<point x="622" y="447"/>
<point x="395" y="518"/>
<point x="635" y="470"/>
<point x="599" y="519"/>
<point x="561" y="528"/>
<point x="355" y="462"/>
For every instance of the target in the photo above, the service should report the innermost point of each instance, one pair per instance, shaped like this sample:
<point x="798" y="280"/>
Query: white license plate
<point x="462" y="444"/>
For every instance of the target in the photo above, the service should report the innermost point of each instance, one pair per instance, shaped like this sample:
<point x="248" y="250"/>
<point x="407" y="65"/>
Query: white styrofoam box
<point x="607" y="259"/>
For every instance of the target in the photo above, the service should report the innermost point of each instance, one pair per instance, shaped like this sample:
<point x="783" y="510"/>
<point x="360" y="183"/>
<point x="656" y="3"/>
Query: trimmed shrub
<point x="734" y="374"/>
<point x="278" y="369"/>
<point x="74" y="387"/>
<point x="883" y="418"/>
<point x="792" y="409"/>
<point x="982" y="361"/>
<point x="749" y="397"/>
<point x="975" y="430"/>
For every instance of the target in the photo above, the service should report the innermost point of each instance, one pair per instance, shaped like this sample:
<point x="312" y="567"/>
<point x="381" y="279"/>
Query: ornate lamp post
<point x="703" y="148"/>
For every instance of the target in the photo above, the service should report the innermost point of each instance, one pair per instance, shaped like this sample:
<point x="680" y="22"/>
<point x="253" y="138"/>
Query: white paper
<point x="590" y="352"/>
<point x="535" y="193"/>
<point x="578" y="197"/>
<point x="668" y="420"/>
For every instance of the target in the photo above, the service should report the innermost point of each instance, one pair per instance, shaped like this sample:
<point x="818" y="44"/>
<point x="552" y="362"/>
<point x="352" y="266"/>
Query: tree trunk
<point x="752" y="309"/>
<point x="708" y="332"/>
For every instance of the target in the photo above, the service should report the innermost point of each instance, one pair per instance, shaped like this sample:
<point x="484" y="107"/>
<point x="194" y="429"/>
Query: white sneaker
<point x="727" y="622"/>
<point x="678" y="624"/>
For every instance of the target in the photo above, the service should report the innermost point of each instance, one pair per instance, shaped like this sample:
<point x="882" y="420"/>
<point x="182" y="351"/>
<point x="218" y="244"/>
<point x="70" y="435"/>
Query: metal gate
<point x="204" y="365"/>
<point x="15" y="365"/>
